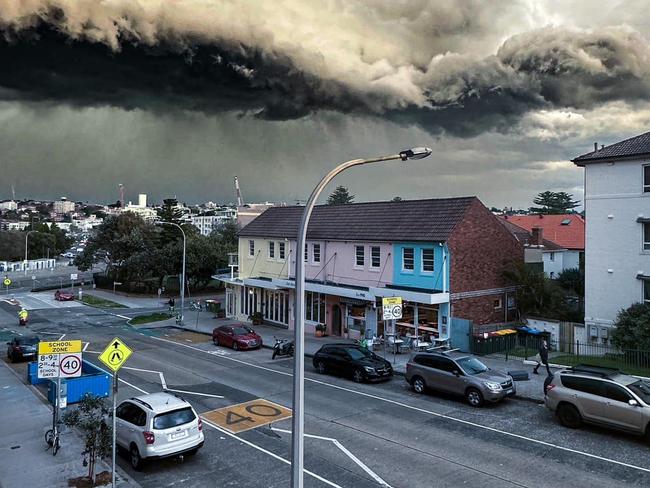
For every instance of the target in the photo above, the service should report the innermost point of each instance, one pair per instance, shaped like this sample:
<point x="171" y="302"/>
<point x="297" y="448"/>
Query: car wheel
<point x="136" y="460"/>
<point x="320" y="366"/>
<point x="357" y="376"/>
<point x="474" y="397"/>
<point x="215" y="340"/>
<point x="569" y="416"/>
<point x="235" y="346"/>
<point x="418" y="384"/>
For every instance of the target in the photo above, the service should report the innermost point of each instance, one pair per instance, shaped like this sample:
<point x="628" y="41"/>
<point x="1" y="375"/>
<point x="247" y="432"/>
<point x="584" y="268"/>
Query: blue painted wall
<point x="417" y="278"/>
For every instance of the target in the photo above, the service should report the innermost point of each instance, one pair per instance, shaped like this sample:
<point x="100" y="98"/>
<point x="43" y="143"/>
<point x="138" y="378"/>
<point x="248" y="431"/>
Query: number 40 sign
<point x="59" y="359"/>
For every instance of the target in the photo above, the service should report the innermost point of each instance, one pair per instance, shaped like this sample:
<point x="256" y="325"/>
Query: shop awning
<point x="330" y="289"/>
<point x="354" y="302"/>
<point x="256" y="282"/>
<point x="412" y="296"/>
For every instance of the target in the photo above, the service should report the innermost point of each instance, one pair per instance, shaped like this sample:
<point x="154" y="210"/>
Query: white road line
<point x="61" y="338"/>
<point x="193" y="393"/>
<point x="86" y="346"/>
<point x="429" y="412"/>
<point x="356" y="460"/>
<point x="159" y="373"/>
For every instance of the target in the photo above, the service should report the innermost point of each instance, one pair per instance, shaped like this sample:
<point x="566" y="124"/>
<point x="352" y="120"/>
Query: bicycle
<point x="52" y="439"/>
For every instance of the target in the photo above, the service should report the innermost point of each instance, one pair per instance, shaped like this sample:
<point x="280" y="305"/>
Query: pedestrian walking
<point x="172" y="304"/>
<point x="542" y="358"/>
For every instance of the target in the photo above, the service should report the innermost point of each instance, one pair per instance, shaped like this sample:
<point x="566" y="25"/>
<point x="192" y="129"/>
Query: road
<point x="359" y="435"/>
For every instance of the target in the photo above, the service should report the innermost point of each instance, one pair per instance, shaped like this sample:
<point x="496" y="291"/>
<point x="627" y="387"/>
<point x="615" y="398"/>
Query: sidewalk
<point x="532" y="389"/>
<point x="136" y="301"/>
<point x="24" y="460"/>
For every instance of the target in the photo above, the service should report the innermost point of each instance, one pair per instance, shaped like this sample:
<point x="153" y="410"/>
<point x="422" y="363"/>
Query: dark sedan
<point x="352" y="361"/>
<point x="239" y="337"/>
<point x="21" y="348"/>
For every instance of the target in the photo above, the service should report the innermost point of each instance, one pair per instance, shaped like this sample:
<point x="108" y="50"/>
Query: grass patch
<point x="152" y="317"/>
<point x="94" y="301"/>
<point x="572" y="360"/>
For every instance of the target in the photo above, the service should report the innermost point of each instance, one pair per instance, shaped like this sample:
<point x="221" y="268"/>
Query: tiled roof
<point x="571" y="236"/>
<point x="635" y="146"/>
<point x="406" y="220"/>
<point x="523" y="235"/>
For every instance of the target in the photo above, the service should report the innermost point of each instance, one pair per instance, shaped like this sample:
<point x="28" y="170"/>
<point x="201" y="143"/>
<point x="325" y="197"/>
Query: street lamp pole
<point x="26" y="236"/>
<point x="298" y="419"/>
<point x="183" y="271"/>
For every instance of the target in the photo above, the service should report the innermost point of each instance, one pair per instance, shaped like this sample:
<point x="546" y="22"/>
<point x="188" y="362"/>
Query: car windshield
<point x="642" y="389"/>
<point x="28" y="341"/>
<point x="472" y="365"/>
<point x="241" y="330"/>
<point x="359" y="353"/>
<point x="174" y="418"/>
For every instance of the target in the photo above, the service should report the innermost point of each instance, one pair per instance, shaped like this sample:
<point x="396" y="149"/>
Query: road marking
<point x="86" y="346"/>
<point x="61" y="338"/>
<point x="248" y="415"/>
<point x="194" y="393"/>
<point x="356" y="460"/>
<point x="435" y="414"/>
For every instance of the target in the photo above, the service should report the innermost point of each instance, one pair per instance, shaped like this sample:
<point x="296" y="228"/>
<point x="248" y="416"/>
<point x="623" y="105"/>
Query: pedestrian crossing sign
<point x="115" y="354"/>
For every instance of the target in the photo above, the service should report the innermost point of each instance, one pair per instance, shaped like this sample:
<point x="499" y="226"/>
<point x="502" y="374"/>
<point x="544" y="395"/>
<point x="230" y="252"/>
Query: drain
<point x="15" y="447"/>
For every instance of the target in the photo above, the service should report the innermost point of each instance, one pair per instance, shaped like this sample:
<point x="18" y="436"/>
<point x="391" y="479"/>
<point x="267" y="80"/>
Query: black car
<point x="353" y="361"/>
<point x="22" y="348"/>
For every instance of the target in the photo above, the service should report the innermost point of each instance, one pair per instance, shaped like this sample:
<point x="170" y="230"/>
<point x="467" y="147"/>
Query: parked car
<point x="239" y="337"/>
<point x="63" y="296"/>
<point x="157" y="425"/>
<point x="352" y="361"/>
<point x="459" y="374"/>
<point x="21" y="348"/>
<point x="601" y="396"/>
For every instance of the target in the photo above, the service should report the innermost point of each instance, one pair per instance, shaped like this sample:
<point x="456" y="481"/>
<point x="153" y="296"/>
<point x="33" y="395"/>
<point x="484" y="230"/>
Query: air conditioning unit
<point x="593" y="331"/>
<point x="603" y="333"/>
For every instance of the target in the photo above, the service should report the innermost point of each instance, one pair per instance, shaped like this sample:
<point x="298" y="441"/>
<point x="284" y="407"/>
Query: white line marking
<point x="193" y="393"/>
<point x="429" y="412"/>
<point x="120" y="316"/>
<point x="359" y="463"/>
<point x="61" y="338"/>
<point x="86" y="346"/>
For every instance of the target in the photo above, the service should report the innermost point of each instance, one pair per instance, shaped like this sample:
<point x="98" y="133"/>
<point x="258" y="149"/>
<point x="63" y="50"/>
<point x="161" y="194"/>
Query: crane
<point x="238" y="197"/>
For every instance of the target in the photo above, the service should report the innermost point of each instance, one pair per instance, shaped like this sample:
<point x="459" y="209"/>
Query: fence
<point x="526" y="346"/>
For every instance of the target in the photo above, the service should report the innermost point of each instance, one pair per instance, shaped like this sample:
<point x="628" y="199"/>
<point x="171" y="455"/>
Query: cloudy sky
<point x="174" y="97"/>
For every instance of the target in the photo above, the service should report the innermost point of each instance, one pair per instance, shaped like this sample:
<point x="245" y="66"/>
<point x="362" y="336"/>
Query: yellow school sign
<point x="59" y="347"/>
<point x="392" y="308"/>
<point x="115" y="354"/>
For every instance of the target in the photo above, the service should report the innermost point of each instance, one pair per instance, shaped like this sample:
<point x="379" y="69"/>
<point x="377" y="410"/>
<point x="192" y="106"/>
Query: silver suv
<point x="156" y="426"/>
<point x="458" y="373"/>
<point x="601" y="396"/>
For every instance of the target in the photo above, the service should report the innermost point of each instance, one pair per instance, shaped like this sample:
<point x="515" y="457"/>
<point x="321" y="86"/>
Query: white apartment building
<point x="617" y="251"/>
<point x="147" y="213"/>
<point x="8" y="205"/>
<point x="207" y="223"/>
<point x="63" y="206"/>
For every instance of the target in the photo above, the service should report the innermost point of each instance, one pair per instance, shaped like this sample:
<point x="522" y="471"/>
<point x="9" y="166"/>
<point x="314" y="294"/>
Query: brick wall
<point x="481" y="248"/>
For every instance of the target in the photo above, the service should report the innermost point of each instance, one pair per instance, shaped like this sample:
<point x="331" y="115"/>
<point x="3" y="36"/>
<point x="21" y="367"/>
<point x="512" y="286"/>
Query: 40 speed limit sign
<point x="70" y="365"/>
<point x="392" y="308"/>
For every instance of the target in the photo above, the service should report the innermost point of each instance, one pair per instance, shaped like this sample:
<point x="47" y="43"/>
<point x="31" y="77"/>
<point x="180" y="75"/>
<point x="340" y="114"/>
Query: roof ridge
<point x="619" y="143"/>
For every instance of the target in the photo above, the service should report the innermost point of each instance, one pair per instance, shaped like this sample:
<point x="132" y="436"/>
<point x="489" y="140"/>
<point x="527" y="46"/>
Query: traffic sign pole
<point x="114" y="427"/>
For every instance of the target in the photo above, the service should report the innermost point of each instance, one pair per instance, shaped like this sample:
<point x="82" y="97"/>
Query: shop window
<point x="407" y="259"/>
<point x="427" y="260"/>
<point x="316" y="253"/>
<point x="498" y="304"/>
<point x="360" y="256"/>
<point x="271" y="250"/>
<point x="375" y="257"/>
<point x="315" y="307"/>
<point x="251" y="248"/>
<point x="281" y="250"/>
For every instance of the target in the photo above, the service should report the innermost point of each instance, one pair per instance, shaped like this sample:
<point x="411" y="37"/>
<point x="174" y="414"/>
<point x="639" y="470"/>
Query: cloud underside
<point x="142" y="55"/>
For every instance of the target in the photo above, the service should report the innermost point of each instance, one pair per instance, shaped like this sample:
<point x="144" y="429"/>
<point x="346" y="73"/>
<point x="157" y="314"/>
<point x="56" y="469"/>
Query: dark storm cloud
<point x="129" y="55"/>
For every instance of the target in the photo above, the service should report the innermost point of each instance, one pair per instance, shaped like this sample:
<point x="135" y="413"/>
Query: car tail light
<point x="18" y="349"/>
<point x="200" y="424"/>
<point x="549" y="387"/>
<point x="149" y="438"/>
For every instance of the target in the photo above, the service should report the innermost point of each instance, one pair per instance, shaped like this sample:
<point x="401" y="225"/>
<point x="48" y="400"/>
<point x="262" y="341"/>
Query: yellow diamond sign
<point x="115" y="354"/>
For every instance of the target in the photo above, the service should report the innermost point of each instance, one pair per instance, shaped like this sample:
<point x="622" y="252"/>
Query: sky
<point x="175" y="97"/>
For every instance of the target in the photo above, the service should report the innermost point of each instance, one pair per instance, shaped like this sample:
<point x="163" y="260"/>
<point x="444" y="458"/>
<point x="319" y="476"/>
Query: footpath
<point x="24" y="457"/>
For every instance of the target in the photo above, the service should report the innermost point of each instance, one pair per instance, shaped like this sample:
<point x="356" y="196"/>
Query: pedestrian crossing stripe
<point x="115" y="354"/>
<point x="246" y="416"/>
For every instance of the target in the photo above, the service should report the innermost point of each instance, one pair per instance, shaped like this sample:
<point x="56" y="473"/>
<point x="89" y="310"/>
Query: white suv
<point x="156" y="426"/>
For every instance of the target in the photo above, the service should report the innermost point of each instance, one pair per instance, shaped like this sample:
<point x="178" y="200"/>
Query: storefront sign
<point x="392" y="308"/>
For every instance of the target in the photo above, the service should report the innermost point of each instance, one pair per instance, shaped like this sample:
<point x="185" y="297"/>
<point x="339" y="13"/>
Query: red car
<point x="63" y="296"/>
<point x="239" y="337"/>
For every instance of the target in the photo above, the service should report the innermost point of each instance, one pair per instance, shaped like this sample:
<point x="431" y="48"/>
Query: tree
<point x="633" y="328"/>
<point x="92" y="418"/>
<point x="340" y="196"/>
<point x="12" y="245"/>
<point x="572" y="280"/>
<point x="536" y="294"/>
<point x="554" y="203"/>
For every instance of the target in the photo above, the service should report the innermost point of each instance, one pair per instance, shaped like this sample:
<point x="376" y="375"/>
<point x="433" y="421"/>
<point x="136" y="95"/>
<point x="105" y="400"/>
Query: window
<point x="174" y="418"/>
<point x="646" y="236"/>
<point x="271" y="250"/>
<point x="551" y="256"/>
<point x="427" y="260"/>
<point x="316" y="253"/>
<point x="281" y="250"/>
<point x="407" y="259"/>
<point x="360" y="256"/>
<point x="566" y="222"/>
<point x="585" y="385"/>
<point x="512" y="303"/>
<point x="616" y="393"/>
<point x="314" y="307"/>
<point x="375" y="256"/>
<point x="646" y="291"/>
<point x="306" y="252"/>
<point x="497" y="304"/>
<point x="251" y="248"/>
<point x="646" y="178"/>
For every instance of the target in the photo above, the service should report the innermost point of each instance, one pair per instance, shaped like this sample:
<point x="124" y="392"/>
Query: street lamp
<point x="160" y="222"/>
<point x="298" y="419"/>
<point x="26" y="236"/>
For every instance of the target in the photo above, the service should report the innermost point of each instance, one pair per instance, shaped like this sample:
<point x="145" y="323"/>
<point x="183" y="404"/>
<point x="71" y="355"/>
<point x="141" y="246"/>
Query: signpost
<point x="7" y="282"/>
<point x="114" y="356"/>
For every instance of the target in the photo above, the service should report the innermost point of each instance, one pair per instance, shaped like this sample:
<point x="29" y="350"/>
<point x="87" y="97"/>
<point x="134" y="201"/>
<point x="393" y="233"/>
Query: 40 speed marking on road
<point x="246" y="416"/>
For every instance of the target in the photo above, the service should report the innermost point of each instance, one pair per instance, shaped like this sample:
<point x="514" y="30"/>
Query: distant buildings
<point x="8" y="205"/>
<point x="63" y="206"/>
<point x="208" y="223"/>
<point x="141" y="209"/>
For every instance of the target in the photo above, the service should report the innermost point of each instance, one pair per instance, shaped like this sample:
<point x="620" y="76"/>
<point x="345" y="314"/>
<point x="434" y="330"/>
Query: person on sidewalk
<point x="543" y="358"/>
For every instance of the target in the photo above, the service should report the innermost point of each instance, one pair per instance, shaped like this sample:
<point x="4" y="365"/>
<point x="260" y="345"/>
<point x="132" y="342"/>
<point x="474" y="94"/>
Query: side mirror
<point x="456" y="372"/>
<point x="632" y="402"/>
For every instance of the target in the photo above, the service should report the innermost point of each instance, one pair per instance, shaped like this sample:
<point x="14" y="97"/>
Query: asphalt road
<point x="388" y="434"/>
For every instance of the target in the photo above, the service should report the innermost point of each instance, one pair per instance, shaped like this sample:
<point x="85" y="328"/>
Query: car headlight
<point x="369" y="369"/>
<point x="492" y="386"/>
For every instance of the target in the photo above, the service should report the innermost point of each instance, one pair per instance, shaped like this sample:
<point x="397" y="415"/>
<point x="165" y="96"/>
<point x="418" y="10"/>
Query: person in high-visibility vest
<point x="23" y="315"/>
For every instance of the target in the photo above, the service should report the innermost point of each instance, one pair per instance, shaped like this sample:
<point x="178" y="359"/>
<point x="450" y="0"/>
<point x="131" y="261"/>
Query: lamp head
<point x="415" y="153"/>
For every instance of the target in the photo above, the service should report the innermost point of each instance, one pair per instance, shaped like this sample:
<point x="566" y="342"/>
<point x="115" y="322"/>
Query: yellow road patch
<point x="247" y="416"/>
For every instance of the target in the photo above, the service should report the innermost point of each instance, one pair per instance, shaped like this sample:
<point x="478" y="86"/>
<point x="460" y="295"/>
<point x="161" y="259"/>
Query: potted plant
<point x="256" y="318"/>
<point x="319" y="330"/>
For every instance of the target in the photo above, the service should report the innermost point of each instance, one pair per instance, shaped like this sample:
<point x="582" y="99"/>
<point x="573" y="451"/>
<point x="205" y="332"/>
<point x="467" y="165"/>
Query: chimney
<point x="537" y="236"/>
<point x="595" y="147"/>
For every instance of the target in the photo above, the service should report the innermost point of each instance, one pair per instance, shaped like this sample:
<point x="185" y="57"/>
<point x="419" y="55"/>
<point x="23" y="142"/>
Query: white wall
<point x="613" y="255"/>
<point x="563" y="259"/>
